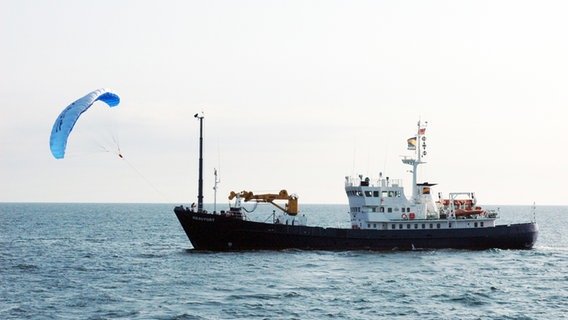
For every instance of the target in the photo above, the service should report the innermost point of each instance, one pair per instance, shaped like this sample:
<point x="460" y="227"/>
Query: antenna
<point x="217" y="181"/>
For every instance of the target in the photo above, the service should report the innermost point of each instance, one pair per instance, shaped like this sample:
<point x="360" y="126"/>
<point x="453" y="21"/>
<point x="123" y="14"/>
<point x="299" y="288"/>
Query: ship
<point x="382" y="218"/>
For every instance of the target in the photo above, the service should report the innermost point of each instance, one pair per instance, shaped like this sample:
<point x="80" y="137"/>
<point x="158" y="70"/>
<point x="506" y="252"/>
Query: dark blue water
<point x="108" y="261"/>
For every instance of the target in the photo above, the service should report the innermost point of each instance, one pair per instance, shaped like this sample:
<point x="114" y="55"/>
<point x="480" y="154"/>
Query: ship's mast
<point x="419" y="152"/>
<point x="200" y="182"/>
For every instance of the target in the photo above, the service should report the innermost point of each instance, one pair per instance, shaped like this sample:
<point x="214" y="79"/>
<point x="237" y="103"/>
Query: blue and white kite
<point x="68" y="117"/>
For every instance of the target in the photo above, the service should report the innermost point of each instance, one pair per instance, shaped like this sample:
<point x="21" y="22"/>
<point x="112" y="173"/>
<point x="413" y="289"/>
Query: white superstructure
<point x="381" y="204"/>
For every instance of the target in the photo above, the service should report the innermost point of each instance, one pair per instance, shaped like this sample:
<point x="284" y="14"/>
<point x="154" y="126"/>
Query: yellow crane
<point x="290" y="208"/>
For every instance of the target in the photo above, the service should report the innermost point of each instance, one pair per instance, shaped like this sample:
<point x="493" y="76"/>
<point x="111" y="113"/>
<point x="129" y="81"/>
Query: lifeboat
<point x="469" y="212"/>
<point x="458" y="203"/>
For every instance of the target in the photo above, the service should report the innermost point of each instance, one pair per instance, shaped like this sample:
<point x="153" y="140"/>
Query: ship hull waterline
<point x="216" y="232"/>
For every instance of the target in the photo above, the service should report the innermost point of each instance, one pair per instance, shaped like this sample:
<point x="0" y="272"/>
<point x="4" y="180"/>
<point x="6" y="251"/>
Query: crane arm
<point x="290" y="208"/>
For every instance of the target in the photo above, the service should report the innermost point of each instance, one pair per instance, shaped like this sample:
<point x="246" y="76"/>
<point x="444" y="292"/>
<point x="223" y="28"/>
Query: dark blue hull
<point x="221" y="233"/>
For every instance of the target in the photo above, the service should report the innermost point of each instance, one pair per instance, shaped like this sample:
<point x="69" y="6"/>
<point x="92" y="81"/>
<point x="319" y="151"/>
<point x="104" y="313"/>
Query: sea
<point x="134" y="261"/>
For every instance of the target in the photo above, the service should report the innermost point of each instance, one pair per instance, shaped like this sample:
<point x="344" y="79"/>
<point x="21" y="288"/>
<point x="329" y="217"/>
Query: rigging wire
<point x="254" y="208"/>
<point x="144" y="177"/>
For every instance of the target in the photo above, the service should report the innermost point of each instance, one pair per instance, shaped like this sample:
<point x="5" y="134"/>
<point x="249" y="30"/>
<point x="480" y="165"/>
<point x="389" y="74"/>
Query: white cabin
<point x="382" y="205"/>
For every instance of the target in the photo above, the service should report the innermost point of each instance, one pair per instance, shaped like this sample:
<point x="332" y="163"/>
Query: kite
<point x="66" y="120"/>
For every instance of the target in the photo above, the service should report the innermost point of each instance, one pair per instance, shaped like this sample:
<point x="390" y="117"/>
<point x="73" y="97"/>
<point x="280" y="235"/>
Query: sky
<point x="296" y="95"/>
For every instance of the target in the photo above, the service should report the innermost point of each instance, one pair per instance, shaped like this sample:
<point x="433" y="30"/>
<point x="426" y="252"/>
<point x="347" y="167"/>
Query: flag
<point x="411" y="143"/>
<point x="422" y="131"/>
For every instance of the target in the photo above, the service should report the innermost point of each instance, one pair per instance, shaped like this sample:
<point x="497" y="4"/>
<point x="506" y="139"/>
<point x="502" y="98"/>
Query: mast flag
<point x="411" y="143"/>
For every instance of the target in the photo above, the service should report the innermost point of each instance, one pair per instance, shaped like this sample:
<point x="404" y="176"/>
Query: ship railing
<point x="349" y="181"/>
<point x="383" y="182"/>
<point x="492" y="213"/>
<point x="389" y="182"/>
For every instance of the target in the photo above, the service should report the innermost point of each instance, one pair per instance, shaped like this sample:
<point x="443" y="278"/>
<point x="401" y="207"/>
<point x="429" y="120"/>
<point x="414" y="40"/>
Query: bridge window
<point x="400" y="226"/>
<point x="391" y="194"/>
<point x="375" y="194"/>
<point x="403" y="210"/>
<point x="367" y="193"/>
<point x="408" y="226"/>
<point x="393" y="226"/>
<point x="389" y="210"/>
<point x="416" y="226"/>
<point x="431" y="226"/>
<point x="438" y="226"/>
<point x="475" y="225"/>
<point x="481" y="223"/>
<point x="423" y="226"/>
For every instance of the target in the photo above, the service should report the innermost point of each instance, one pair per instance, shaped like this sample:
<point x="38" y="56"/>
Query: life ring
<point x="404" y="216"/>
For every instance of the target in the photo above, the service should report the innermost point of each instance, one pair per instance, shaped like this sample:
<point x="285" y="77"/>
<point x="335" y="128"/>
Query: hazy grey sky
<point x="296" y="95"/>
